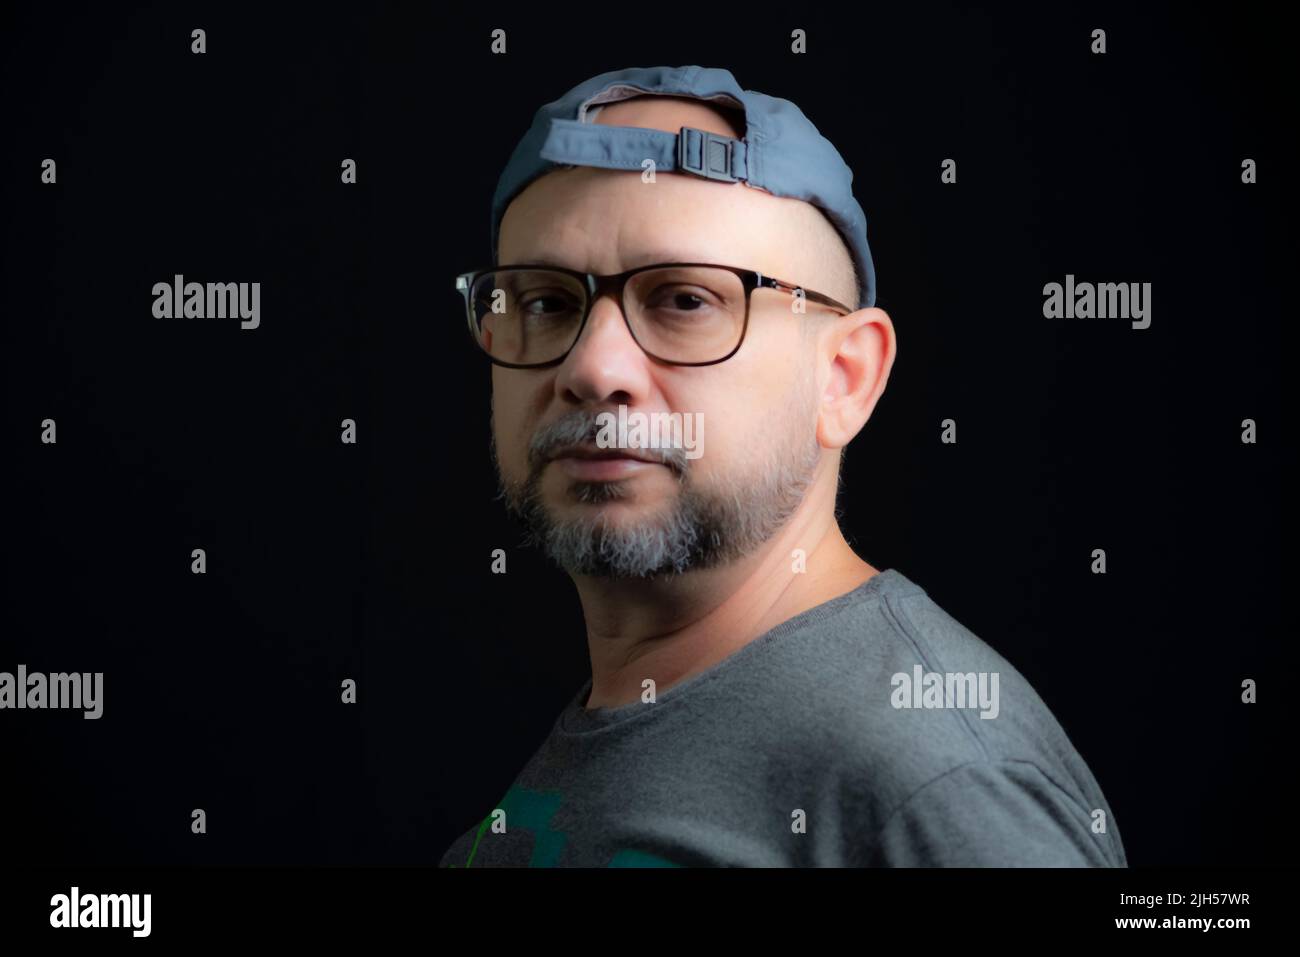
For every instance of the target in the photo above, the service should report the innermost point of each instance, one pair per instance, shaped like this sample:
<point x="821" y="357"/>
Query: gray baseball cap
<point x="781" y="151"/>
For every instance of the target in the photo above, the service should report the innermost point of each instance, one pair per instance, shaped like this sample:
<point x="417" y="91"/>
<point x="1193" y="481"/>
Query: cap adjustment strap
<point x="708" y="155"/>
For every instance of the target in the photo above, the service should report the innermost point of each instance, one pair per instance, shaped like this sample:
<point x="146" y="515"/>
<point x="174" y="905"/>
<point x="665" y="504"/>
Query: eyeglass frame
<point x="595" y="283"/>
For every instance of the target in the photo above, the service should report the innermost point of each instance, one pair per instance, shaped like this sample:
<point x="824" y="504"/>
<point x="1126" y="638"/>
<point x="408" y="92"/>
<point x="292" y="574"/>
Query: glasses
<point x="688" y="314"/>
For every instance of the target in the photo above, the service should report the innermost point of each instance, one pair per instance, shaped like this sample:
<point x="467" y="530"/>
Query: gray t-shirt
<point x="871" y="730"/>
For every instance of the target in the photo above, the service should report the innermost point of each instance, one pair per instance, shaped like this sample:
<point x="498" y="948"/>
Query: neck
<point x="673" y="627"/>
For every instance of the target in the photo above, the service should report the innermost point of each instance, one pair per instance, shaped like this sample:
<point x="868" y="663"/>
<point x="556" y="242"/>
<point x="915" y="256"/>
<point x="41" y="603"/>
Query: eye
<point x="681" y="299"/>
<point x="541" y="304"/>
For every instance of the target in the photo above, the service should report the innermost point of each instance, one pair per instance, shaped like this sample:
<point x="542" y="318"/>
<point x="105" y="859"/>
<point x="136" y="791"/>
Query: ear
<point x="855" y="354"/>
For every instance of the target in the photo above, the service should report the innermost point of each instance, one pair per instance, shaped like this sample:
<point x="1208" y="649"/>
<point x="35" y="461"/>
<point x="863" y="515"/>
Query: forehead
<point x="606" y="220"/>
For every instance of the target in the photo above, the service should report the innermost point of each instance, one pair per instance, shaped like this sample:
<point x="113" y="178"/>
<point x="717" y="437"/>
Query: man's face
<point x="628" y="517"/>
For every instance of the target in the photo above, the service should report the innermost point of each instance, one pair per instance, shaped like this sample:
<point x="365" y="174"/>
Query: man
<point x="759" y="694"/>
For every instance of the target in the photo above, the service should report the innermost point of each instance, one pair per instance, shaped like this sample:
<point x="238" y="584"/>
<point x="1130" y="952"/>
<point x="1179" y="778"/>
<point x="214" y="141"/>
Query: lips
<point x="595" y="453"/>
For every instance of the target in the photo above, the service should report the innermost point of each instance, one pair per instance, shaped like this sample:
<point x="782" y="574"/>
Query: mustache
<point x="582" y="427"/>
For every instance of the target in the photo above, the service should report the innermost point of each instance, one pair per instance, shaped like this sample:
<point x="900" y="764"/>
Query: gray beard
<point x="701" y="528"/>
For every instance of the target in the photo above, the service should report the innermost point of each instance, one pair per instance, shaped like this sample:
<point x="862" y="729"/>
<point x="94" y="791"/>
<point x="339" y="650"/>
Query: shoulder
<point x="925" y="725"/>
<point x="993" y="813"/>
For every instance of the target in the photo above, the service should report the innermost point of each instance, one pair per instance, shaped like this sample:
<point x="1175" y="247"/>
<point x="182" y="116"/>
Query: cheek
<point x="753" y="412"/>
<point x="511" y="431"/>
<point x="732" y="428"/>
<point x="725" y="428"/>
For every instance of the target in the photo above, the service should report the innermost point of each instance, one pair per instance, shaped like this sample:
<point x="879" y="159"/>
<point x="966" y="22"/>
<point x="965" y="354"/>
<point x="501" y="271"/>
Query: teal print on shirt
<point x="533" y="811"/>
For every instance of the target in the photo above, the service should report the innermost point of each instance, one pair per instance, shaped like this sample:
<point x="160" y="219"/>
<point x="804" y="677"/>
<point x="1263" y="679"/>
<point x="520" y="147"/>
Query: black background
<point x="329" y="561"/>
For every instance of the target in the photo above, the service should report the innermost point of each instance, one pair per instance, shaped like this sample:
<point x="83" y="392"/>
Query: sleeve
<point x="993" y="814"/>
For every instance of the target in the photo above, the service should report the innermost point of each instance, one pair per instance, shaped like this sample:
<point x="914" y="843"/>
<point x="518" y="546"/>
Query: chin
<point x="613" y="499"/>
<point x="566" y="489"/>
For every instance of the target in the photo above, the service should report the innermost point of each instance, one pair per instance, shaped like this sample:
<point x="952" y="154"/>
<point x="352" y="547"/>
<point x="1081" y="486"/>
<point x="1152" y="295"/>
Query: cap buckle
<point x="715" y="153"/>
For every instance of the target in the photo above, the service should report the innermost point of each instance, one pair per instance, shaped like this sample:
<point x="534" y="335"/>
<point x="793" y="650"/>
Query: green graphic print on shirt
<point x="533" y="811"/>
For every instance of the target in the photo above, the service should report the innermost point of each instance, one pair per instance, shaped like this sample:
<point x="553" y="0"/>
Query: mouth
<point x="591" y="463"/>
<point x="597" y="454"/>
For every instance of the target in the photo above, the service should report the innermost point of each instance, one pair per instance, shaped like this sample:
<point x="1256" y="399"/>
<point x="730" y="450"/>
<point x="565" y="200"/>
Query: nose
<point x="605" y="364"/>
